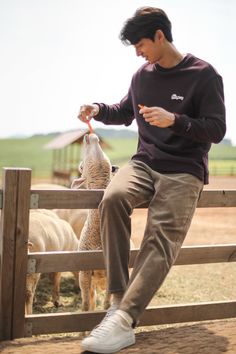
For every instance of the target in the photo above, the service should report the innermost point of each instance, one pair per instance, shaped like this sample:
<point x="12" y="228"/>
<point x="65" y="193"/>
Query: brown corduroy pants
<point x="172" y="201"/>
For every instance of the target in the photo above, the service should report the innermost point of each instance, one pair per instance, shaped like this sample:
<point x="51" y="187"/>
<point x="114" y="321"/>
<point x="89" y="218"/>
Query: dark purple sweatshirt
<point x="193" y="91"/>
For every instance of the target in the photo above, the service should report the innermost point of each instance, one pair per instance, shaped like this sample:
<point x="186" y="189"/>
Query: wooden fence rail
<point x="16" y="200"/>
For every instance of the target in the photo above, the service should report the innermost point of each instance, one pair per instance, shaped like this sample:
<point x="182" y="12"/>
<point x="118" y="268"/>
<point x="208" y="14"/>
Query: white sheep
<point x="75" y="217"/>
<point x="96" y="173"/>
<point x="47" y="232"/>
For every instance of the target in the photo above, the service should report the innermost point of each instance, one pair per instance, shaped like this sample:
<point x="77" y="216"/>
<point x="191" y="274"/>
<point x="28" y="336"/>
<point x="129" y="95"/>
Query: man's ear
<point x="159" y="35"/>
<point x="78" y="183"/>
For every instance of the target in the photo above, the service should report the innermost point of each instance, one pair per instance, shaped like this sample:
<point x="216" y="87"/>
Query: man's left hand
<point x="157" y="116"/>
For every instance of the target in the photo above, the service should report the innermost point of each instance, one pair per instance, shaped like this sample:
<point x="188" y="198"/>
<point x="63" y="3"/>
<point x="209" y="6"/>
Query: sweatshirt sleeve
<point x="210" y="125"/>
<point x="116" y="114"/>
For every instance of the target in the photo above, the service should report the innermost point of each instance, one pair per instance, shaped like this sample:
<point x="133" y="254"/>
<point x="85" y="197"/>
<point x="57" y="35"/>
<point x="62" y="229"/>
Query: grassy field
<point x="30" y="153"/>
<point x="222" y="160"/>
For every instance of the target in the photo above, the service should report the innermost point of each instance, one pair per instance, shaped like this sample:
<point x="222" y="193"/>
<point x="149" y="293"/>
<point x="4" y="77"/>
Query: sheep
<point x="47" y="232"/>
<point x="75" y="217"/>
<point x="96" y="172"/>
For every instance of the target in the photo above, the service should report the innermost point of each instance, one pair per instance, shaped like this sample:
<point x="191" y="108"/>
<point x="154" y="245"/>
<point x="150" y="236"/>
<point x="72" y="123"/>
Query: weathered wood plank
<point x="78" y="322"/>
<point x="71" y="261"/>
<point x="217" y="198"/>
<point x="65" y="261"/>
<point x="7" y="251"/>
<point x="203" y="311"/>
<point x="86" y="199"/>
<point x="61" y="322"/>
<point x="68" y="198"/>
<point x="207" y="254"/>
<point x="21" y="251"/>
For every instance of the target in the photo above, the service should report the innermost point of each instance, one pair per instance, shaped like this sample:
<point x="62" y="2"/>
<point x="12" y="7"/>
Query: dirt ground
<point x="209" y="226"/>
<point x="206" y="338"/>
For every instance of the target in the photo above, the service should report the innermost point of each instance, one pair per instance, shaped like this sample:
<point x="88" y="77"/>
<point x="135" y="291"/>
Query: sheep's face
<point x="95" y="167"/>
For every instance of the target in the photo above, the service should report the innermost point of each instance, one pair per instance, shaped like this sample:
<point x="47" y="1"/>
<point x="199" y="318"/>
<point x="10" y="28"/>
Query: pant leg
<point x="131" y="186"/>
<point x="169" y="216"/>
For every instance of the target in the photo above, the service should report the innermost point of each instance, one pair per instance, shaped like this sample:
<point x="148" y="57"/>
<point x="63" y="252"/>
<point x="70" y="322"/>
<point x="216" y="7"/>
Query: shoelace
<point x="110" y="312"/>
<point x="102" y="326"/>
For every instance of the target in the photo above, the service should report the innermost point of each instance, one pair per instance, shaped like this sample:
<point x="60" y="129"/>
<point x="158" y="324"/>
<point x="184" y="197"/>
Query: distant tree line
<point x="226" y="141"/>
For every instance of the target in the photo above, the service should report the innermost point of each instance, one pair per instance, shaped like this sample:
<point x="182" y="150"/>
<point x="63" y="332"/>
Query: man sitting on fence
<point x="178" y="103"/>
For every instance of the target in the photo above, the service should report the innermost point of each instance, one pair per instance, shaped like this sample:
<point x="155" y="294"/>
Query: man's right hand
<point x="88" y="111"/>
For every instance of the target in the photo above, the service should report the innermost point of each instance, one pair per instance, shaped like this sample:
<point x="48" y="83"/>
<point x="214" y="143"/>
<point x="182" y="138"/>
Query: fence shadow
<point x="188" y="339"/>
<point x="205" y="338"/>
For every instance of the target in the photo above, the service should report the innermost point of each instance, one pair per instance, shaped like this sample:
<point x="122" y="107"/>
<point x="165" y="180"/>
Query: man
<point x="178" y="103"/>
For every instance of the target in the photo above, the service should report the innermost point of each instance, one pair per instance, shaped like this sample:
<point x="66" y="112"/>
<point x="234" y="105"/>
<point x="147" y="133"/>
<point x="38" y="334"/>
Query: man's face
<point x="148" y="49"/>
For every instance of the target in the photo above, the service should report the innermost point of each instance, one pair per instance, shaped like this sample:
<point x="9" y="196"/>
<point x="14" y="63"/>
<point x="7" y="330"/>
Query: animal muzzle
<point x="91" y="138"/>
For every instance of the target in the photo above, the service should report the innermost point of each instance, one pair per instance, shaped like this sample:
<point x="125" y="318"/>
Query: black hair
<point x="144" y="24"/>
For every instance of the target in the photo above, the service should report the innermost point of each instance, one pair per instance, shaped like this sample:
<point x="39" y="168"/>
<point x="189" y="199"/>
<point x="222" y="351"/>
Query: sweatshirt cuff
<point x="182" y="124"/>
<point x="99" y="116"/>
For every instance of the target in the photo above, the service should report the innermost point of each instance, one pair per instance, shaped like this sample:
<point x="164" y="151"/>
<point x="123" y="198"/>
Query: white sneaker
<point x="112" y="335"/>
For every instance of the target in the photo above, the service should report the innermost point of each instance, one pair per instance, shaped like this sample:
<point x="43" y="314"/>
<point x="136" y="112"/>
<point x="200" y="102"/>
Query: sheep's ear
<point x="78" y="183"/>
<point x="80" y="168"/>
<point x="30" y="244"/>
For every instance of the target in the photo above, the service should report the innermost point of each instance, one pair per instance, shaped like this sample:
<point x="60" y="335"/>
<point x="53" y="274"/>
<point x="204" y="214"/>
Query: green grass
<point x="122" y="150"/>
<point x="30" y="153"/>
<point x="222" y="160"/>
<point x="222" y="167"/>
<point x="223" y="152"/>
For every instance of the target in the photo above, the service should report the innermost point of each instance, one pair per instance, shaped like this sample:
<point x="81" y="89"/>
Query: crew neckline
<point x="180" y="64"/>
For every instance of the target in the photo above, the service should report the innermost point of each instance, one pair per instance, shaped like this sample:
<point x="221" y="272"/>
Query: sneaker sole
<point x="108" y="350"/>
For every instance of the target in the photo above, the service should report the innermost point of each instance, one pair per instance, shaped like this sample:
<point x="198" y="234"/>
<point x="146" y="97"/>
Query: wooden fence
<point x="16" y="200"/>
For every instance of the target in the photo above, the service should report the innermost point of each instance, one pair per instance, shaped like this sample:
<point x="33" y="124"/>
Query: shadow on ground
<point x="206" y="338"/>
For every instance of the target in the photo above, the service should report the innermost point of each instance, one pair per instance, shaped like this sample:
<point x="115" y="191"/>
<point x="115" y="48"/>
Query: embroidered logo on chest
<point x="176" y="97"/>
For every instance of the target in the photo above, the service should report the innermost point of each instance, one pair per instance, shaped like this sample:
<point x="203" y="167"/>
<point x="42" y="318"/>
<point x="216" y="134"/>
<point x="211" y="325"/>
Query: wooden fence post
<point x="7" y="253"/>
<point x="13" y="251"/>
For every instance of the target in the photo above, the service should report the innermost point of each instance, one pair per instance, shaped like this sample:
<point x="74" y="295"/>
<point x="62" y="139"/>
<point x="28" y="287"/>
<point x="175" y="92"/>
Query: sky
<point x="56" y="55"/>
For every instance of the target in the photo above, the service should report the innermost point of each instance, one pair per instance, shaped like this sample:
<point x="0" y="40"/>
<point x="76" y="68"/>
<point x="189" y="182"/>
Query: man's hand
<point x="157" y="116"/>
<point x="88" y="111"/>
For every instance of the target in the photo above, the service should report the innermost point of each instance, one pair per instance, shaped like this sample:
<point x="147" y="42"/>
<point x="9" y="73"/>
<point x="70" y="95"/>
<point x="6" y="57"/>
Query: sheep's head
<point x="95" y="167"/>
